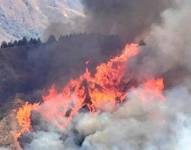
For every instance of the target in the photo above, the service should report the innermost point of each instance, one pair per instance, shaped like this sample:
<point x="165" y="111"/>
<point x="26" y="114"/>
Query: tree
<point x="51" y="39"/>
<point x="35" y="41"/>
<point x="15" y="43"/>
<point x="22" y="42"/>
<point x="10" y="44"/>
<point x="4" y="44"/>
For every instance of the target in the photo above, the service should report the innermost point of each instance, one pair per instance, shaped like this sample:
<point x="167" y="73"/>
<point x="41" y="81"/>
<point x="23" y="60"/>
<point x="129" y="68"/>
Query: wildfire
<point x="153" y="89"/>
<point x="95" y="93"/>
<point x="23" y="118"/>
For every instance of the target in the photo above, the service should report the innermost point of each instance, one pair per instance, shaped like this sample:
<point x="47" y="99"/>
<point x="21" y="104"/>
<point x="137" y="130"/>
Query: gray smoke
<point x="167" y="51"/>
<point x="135" y="125"/>
<point x="172" y="38"/>
<point x="152" y="125"/>
<point x="127" y="18"/>
<point x="27" y="70"/>
<point x="58" y="29"/>
<point x="3" y="148"/>
<point x="130" y="19"/>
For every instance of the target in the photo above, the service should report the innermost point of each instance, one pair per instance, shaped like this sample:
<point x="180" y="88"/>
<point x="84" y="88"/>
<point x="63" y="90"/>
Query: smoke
<point x="167" y="50"/>
<point x="3" y="148"/>
<point x="58" y="29"/>
<point x="134" y="125"/>
<point x="126" y="18"/>
<point x="138" y="125"/>
<point x="44" y="140"/>
<point x="129" y="19"/>
<point x="184" y="134"/>
<point x="172" y="38"/>
<point x="27" y="70"/>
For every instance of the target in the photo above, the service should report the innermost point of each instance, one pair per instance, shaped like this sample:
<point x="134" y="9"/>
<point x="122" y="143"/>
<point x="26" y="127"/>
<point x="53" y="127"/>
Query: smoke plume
<point x="167" y="50"/>
<point x="126" y="18"/>
<point x="172" y="38"/>
<point x="129" y="19"/>
<point x="137" y="125"/>
<point x="29" y="69"/>
<point x="134" y="125"/>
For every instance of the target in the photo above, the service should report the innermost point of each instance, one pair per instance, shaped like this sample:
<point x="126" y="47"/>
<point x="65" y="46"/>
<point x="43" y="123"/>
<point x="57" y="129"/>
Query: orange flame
<point x="153" y="88"/>
<point x="95" y="92"/>
<point x="23" y="118"/>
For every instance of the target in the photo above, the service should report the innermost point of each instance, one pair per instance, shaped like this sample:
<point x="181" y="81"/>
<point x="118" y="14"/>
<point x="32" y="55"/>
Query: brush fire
<point x="102" y="91"/>
<point x="119" y="81"/>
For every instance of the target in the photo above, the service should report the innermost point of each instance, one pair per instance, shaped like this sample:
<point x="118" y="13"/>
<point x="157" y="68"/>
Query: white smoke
<point x="184" y="134"/>
<point x="137" y="125"/>
<point x="3" y="148"/>
<point x="45" y="141"/>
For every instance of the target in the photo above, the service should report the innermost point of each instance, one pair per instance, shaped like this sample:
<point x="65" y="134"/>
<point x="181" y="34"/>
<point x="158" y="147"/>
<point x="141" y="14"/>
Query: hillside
<point x="19" y="18"/>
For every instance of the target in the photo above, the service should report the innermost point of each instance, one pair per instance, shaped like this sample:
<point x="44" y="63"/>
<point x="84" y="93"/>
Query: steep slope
<point x="30" y="18"/>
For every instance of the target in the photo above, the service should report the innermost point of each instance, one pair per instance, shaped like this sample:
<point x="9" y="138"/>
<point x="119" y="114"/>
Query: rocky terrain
<point x="19" y="18"/>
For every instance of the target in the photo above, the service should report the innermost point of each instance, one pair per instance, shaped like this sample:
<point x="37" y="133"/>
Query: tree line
<point x="21" y="42"/>
<point x="71" y="37"/>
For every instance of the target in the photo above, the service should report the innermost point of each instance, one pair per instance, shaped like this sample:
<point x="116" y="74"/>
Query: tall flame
<point x="23" y="118"/>
<point x="97" y="92"/>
